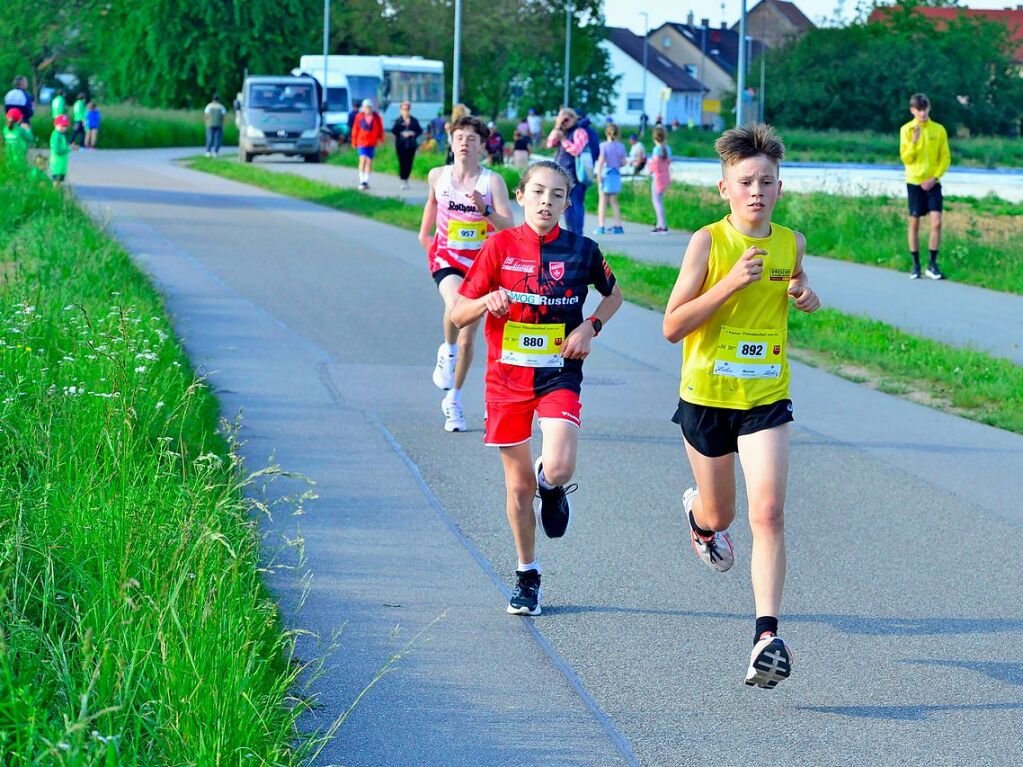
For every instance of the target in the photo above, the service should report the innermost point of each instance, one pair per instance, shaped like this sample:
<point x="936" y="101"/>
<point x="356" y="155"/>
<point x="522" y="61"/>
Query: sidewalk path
<point x="949" y="312"/>
<point x="904" y="524"/>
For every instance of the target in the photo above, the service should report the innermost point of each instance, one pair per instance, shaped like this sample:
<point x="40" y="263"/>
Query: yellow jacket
<point x="929" y="157"/>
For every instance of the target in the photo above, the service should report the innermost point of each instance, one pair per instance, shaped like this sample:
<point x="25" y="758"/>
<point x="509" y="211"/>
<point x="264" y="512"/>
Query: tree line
<point x="173" y="53"/>
<point x="861" y="76"/>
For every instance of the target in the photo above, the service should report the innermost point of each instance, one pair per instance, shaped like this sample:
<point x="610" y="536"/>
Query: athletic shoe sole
<point x="934" y="275"/>
<point x="539" y="511"/>
<point x="770" y="663"/>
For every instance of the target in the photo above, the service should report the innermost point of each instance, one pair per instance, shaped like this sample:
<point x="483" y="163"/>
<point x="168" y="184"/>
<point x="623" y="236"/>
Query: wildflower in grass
<point x="140" y="369"/>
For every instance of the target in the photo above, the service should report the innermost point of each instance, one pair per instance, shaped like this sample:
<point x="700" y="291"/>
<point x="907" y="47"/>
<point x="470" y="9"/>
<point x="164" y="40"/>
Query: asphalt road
<point x="905" y="529"/>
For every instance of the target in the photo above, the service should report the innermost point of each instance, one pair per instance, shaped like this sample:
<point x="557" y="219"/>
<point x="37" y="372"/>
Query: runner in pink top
<point x="466" y="204"/>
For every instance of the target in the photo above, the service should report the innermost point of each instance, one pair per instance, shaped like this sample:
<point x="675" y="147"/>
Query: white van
<point x="278" y="115"/>
<point x="386" y="80"/>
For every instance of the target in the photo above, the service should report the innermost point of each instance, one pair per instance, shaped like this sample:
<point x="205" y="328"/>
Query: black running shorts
<point x="440" y="274"/>
<point x="715" y="431"/>
<point x="923" y="201"/>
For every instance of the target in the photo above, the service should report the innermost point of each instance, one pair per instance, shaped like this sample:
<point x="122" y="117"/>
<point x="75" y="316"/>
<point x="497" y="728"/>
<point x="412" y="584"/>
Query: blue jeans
<point x="575" y="216"/>
<point x="214" y="136"/>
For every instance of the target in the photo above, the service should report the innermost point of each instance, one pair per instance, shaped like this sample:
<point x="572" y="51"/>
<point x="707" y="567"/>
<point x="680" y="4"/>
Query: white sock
<point x="453" y="350"/>
<point x="534" y="565"/>
<point x="363" y="177"/>
<point x="453" y="395"/>
<point x="543" y="480"/>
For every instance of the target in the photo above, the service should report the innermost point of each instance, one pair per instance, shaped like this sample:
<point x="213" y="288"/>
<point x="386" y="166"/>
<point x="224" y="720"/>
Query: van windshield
<point x="364" y="87"/>
<point x="282" y="97"/>
<point x="337" y="99"/>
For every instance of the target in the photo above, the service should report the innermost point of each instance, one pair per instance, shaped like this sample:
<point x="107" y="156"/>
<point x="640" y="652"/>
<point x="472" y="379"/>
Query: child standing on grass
<point x="92" y="118"/>
<point x="59" y="150"/>
<point x="531" y="282"/>
<point x="660" y="171"/>
<point x="729" y="307"/>
<point x="609" y="177"/>
<point x="17" y="138"/>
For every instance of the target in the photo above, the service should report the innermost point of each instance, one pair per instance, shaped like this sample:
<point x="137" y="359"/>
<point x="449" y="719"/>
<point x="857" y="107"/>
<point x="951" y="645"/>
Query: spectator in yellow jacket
<point x="923" y="147"/>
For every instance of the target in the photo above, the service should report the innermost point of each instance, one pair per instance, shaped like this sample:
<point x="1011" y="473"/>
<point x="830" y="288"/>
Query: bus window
<point x="364" y="87"/>
<point x="337" y="99"/>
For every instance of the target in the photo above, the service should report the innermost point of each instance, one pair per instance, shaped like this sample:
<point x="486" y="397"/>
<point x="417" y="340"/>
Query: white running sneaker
<point x="444" y="372"/>
<point x="454" y="415"/>
<point x="716" y="551"/>
<point x="770" y="663"/>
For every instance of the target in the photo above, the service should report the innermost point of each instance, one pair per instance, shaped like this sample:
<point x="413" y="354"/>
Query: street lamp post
<point x="646" y="35"/>
<point x="326" y="47"/>
<point x="568" y="47"/>
<point x="740" y="75"/>
<point x="456" y="67"/>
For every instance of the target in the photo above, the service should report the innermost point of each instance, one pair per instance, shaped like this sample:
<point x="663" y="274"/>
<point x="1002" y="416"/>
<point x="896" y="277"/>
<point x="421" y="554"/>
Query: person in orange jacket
<point x="367" y="133"/>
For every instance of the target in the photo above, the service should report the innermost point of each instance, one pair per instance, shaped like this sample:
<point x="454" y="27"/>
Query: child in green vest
<point x="78" y="110"/>
<point x="59" y="150"/>
<point x="17" y="138"/>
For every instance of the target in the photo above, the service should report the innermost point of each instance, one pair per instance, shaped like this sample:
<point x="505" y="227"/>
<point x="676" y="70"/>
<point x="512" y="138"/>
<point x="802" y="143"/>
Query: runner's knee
<point x="521" y="490"/>
<point x="558" y="471"/>
<point x="767" y="517"/>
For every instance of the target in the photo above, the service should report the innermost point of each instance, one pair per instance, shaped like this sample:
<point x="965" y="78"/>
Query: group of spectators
<point x="19" y="109"/>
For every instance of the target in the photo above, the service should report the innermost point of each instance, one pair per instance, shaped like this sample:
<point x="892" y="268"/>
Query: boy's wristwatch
<point x="597" y="325"/>
<point x="488" y="211"/>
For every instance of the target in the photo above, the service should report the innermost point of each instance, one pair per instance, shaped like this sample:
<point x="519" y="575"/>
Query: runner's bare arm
<point x="502" y="217"/>
<point x="577" y="344"/>
<point x="799" y="285"/>
<point x="429" y="222"/>
<point x="467" y="310"/>
<point x="688" y="308"/>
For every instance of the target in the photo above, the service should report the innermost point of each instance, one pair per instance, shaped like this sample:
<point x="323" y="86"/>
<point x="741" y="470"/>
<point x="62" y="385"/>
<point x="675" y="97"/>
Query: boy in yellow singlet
<point x="729" y="307"/>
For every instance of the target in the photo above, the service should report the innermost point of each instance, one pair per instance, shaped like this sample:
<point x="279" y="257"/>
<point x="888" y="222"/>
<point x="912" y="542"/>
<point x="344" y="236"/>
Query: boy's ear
<point x="721" y="189"/>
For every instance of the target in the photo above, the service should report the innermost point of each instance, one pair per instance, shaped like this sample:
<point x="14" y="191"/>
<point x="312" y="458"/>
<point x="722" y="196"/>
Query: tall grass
<point x="135" y="628"/>
<point x="127" y="126"/>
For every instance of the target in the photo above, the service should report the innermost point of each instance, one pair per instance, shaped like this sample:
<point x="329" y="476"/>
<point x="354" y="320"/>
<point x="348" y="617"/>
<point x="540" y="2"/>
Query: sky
<point x="626" y="13"/>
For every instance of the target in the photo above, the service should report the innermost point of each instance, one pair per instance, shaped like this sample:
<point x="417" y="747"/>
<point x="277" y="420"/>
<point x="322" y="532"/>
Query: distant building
<point x="1012" y="19"/>
<point x="671" y="90"/>
<point x="775" y="23"/>
<point x="710" y="54"/>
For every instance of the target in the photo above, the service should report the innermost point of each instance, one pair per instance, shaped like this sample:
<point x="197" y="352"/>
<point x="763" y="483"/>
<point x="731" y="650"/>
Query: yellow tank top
<point x="737" y="359"/>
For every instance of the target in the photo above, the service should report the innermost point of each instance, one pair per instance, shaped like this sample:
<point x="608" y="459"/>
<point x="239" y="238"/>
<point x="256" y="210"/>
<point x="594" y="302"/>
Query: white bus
<point x="387" y="80"/>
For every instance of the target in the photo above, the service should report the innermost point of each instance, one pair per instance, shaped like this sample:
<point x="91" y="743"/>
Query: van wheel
<point x="311" y="157"/>
<point x="246" y="156"/>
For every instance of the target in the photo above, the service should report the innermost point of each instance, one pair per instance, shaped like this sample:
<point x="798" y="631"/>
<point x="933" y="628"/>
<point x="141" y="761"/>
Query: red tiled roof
<point x="1011" y="19"/>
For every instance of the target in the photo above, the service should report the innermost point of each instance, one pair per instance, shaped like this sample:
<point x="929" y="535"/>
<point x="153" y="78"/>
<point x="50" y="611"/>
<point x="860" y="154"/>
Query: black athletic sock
<point x="699" y="530"/>
<point x="916" y="259"/>
<point x="934" y="258"/>
<point x="765" y="623"/>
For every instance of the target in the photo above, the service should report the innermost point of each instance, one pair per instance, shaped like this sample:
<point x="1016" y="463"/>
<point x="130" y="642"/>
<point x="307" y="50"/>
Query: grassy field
<point x="964" y="382"/>
<point x="967" y="383"/>
<point x="135" y="628"/>
<point x="982" y="243"/>
<point x="126" y="126"/>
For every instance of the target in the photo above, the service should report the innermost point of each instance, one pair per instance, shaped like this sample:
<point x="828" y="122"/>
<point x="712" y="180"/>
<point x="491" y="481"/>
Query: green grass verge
<point x="981" y="241"/>
<point x="968" y="383"/>
<point x="802" y="145"/>
<point x="126" y="126"/>
<point x="135" y="628"/>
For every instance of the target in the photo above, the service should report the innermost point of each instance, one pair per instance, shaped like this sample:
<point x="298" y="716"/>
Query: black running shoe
<point x="555" y="511"/>
<point x="770" y="663"/>
<point x="525" y="598"/>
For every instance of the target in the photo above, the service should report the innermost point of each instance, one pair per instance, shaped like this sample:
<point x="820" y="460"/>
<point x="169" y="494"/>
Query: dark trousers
<point x="575" y="216"/>
<point x="214" y="138"/>
<point x="78" y="133"/>
<point x="405" y="157"/>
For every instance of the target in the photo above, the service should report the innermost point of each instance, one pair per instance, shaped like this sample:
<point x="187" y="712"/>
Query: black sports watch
<point x="597" y="325"/>
<point x="488" y="211"/>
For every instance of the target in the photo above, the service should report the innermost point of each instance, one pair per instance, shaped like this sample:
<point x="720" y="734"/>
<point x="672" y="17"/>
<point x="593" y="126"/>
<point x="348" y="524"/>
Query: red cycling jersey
<point x="547" y="278"/>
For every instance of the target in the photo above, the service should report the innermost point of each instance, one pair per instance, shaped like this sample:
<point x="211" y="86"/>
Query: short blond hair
<point x="738" y="144"/>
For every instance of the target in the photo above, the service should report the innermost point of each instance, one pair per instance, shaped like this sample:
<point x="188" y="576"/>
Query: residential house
<point x="775" y="23"/>
<point x="710" y="54"/>
<point x="671" y="90"/>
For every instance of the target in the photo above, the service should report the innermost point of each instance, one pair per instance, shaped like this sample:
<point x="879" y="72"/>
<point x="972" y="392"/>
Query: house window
<point x="634" y="102"/>
<point x="691" y="69"/>
<point x="666" y="42"/>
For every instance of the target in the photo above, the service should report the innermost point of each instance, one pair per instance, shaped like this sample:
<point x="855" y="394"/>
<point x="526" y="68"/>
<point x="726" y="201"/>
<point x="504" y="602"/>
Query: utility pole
<point x="740" y="74"/>
<point x="568" y="48"/>
<point x="326" y="48"/>
<point x="646" y="35"/>
<point x="456" y="75"/>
